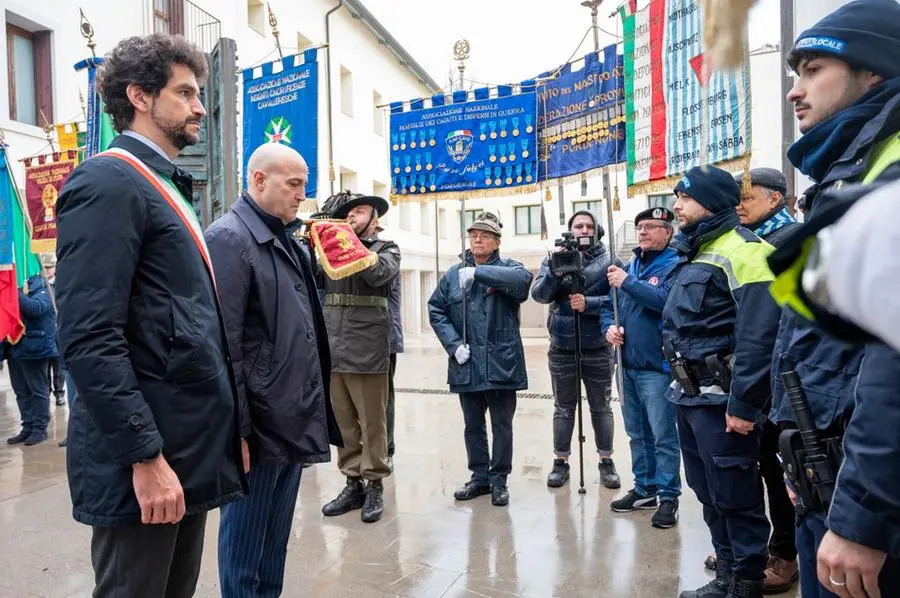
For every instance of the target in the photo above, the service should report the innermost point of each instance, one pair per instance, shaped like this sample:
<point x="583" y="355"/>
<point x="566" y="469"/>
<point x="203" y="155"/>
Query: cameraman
<point x="596" y="361"/>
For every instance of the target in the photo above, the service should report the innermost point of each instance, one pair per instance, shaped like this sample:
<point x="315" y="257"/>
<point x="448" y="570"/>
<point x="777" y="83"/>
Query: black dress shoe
<point x="471" y="490"/>
<point x="36" y="438"/>
<point x="19" y="438"/>
<point x="373" y="507"/>
<point x="499" y="496"/>
<point x="351" y="497"/>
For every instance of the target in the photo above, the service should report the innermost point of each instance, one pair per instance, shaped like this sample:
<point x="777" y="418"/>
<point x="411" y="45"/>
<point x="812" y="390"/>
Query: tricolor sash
<point x="173" y="197"/>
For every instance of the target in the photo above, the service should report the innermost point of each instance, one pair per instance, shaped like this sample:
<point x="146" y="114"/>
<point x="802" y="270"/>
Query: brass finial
<point x="273" y="23"/>
<point x="87" y="32"/>
<point x="461" y="51"/>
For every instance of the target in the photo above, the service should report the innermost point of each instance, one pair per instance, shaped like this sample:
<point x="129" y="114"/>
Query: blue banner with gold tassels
<point x="479" y="143"/>
<point x="100" y="132"/>
<point x="581" y="116"/>
<point x="281" y="105"/>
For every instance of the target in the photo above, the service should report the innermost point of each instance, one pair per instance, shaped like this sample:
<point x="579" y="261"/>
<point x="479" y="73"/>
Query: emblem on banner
<point x="459" y="144"/>
<point x="278" y="131"/>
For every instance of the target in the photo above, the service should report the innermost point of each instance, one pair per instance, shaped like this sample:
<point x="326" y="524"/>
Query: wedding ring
<point x="836" y="583"/>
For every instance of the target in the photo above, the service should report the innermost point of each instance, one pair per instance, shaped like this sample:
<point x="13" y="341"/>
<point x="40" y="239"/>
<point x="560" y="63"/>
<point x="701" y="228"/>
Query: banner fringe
<point x="463" y="195"/>
<point x="667" y="184"/>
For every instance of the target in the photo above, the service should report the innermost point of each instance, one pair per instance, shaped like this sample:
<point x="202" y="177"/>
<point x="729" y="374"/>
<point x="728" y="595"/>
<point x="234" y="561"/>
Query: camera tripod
<point x="577" y="282"/>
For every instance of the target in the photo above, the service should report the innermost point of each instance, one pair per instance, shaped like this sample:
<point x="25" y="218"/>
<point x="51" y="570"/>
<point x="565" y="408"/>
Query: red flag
<point x="11" y="327"/>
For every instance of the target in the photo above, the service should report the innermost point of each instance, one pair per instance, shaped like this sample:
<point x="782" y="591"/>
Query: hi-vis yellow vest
<point x="784" y="288"/>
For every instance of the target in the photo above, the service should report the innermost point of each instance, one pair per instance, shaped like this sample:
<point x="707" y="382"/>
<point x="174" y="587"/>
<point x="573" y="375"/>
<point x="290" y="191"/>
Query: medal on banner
<point x="497" y="180"/>
<point x="396" y="164"/>
<point x="422" y="138"/>
<point x="528" y="127"/>
<point x="483" y="129"/>
<point x="511" y="148"/>
<point x="403" y="141"/>
<point x="422" y="183"/>
<point x="431" y="182"/>
<point x="509" y="178"/>
<point x="515" y="123"/>
<point x="432" y="133"/>
<point x="428" y="165"/>
<point x="487" y="177"/>
<point x="502" y="127"/>
<point x="403" y="185"/>
<point x="412" y="184"/>
<point x="418" y="162"/>
<point x="492" y="149"/>
<point x="493" y="126"/>
<point x="412" y="141"/>
<point x="394" y="184"/>
<point x="528" y="168"/>
<point x="518" y="173"/>
<point x="394" y="141"/>
<point x="525" y="152"/>
<point x="408" y="160"/>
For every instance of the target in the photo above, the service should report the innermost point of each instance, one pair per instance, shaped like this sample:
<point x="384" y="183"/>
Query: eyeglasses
<point x="480" y="236"/>
<point x="648" y="226"/>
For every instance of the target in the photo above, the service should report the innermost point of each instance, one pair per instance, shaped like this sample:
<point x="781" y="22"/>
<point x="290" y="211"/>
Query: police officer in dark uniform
<point x="358" y="318"/>
<point x="847" y="102"/>
<point x="718" y="327"/>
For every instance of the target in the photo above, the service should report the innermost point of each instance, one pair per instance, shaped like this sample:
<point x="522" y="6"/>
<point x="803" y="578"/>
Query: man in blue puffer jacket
<point x="649" y="417"/>
<point x="596" y="361"/>
<point x="474" y="312"/>
<point x="29" y="361"/>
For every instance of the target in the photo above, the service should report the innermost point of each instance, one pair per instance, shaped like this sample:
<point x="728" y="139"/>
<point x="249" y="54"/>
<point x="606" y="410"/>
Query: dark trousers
<point x="782" y="544"/>
<point x="596" y="373"/>
<point x="721" y="468"/>
<point x="157" y="561"/>
<point x="57" y="377"/>
<point x="254" y="532"/>
<point x="488" y="468"/>
<point x="811" y="528"/>
<point x="389" y="412"/>
<point x="29" y="381"/>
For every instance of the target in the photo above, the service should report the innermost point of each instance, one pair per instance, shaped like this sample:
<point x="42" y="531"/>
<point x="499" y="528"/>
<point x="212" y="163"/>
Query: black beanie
<point x="712" y="187"/>
<point x="598" y="228"/>
<point x="865" y="34"/>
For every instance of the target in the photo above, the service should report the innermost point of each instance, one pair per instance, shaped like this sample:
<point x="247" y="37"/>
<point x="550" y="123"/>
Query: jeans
<point x="489" y="468"/>
<point x="254" y="532"/>
<point x="56" y="374"/>
<point x="782" y="544"/>
<point x="29" y="381"/>
<point x="650" y="424"/>
<point x="721" y="468"/>
<point x="596" y="372"/>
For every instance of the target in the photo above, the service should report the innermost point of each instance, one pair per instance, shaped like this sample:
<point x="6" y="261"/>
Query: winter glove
<point x="466" y="276"/>
<point x="462" y="353"/>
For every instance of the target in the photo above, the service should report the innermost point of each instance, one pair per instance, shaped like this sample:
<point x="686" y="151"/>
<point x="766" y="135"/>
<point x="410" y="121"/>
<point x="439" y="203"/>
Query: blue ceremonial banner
<point x="465" y="148"/>
<point x="581" y="116"/>
<point x="282" y="106"/>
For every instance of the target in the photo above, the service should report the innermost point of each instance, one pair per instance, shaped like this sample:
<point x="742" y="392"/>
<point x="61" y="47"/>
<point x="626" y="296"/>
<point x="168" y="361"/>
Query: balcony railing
<point x="185" y="18"/>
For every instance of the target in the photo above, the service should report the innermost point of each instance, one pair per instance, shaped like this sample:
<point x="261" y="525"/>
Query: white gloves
<point x="466" y="276"/>
<point x="462" y="353"/>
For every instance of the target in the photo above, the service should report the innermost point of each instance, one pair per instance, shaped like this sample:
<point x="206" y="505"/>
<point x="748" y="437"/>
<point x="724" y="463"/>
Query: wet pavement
<point x="547" y="542"/>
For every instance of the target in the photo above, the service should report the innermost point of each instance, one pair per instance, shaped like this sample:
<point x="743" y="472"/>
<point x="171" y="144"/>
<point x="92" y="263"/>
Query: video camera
<point x="569" y="259"/>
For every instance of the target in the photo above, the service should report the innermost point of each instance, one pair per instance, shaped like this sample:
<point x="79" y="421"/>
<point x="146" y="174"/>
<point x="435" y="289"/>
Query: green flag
<point x="26" y="263"/>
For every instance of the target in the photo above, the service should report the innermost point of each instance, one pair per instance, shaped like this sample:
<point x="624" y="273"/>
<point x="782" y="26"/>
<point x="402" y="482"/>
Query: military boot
<point x="373" y="508"/>
<point x="351" y="497"/>
<point x="717" y="588"/>
<point x="746" y="588"/>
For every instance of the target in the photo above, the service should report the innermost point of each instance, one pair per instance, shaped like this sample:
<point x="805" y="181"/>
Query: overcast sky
<point x="512" y="40"/>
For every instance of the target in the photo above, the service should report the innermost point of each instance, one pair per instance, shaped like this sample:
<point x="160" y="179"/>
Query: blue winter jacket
<point x="36" y="310"/>
<point x="492" y="303"/>
<point x="641" y="303"/>
<point x="552" y="289"/>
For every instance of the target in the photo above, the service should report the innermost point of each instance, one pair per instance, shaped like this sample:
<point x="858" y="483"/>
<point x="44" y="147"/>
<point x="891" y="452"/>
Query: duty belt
<point x="347" y="300"/>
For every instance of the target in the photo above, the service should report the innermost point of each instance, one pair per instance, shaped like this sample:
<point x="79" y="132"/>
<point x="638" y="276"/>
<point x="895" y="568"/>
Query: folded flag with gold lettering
<point x="340" y="251"/>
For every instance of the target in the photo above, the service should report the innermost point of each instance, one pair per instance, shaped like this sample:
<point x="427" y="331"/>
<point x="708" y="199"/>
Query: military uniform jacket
<point x="360" y="331"/>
